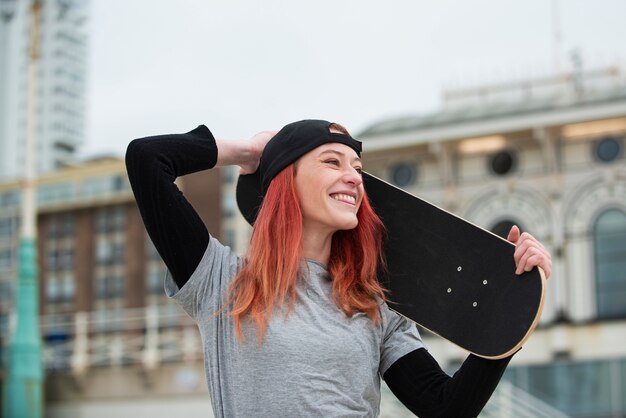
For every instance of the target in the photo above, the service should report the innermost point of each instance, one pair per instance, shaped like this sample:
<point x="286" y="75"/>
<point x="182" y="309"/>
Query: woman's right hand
<point x="244" y="153"/>
<point x="257" y="145"/>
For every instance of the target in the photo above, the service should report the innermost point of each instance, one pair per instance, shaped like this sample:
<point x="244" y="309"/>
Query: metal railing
<point x="147" y="336"/>
<point x="509" y="401"/>
<point x="160" y="334"/>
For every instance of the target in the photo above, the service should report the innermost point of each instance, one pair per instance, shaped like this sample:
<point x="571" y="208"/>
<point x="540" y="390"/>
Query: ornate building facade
<point x="547" y="155"/>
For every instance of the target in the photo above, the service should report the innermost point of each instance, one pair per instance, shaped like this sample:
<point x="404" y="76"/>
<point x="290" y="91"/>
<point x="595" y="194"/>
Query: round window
<point x="608" y="149"/>
<point x="403" y="174"/>
<point x="503" y="162"/>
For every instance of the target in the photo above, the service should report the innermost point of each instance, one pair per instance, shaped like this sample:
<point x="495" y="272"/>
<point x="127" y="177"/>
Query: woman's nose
<point x="352" y="176"/>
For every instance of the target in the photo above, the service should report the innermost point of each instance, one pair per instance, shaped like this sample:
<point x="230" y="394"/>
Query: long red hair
<point x="274" y="261"/>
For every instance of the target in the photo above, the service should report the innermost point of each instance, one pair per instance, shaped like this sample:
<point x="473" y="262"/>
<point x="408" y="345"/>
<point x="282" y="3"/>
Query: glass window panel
<point x="67" y="226"/>
<point x="101" y="220"/>
<point x="4" y="331"/>
<point x="622" y="386"/>
<point x="228" y="204"/>
<point x="103" y="252"/>
<point x="118" y="216"/>
<point x="67" y="260"/>
<point x="52" y="260"/>
<point x="118" y="183"/>
<point x="155" y="282"/>
<point x="6" y="258"/>
<point x="8" y="199"/>
<point x="610" y="263"/>
<point x="68" y="288"/>
<point x="52" y="290"/>
<point x="118" y="253"/>
<point x="578" y="389"/>
<point x="8" y="227"/>
<point x="101" y="288"/>
<point x="6" y="291"/>
<point x="229" y="238"/>
<point x="116" y="287"/>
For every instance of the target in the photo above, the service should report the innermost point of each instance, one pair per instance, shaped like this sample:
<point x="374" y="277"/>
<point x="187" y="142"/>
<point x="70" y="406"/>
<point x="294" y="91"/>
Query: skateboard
<point x="454" y="278"/>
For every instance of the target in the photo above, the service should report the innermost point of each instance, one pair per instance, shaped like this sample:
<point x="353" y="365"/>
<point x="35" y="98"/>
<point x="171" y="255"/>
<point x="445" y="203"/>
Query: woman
<point x="299" y="327"/>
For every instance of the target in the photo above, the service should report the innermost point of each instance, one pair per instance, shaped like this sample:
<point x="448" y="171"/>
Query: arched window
<point x="609" y="236"/>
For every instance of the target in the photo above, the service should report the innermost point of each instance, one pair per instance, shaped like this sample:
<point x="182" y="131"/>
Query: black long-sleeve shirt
<point x="181" y="239"/>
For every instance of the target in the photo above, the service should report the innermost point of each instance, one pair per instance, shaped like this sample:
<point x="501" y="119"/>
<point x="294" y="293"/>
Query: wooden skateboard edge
<point x="517" y="346"/>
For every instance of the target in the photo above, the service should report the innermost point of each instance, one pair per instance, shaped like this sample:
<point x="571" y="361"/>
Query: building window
<point x="229" y="174"/>
<point x="155" y="274"/>
<point x="608" y="149"/>
<point x="109" y="284"/>
<point x="118" y="183"/>
<point x="9" y="199"/>
<point x="111" y="219"/>
<point x="403" y="174"/>
<point x="155" y="282"/>
<point x="503" y="162"/>
<point x="580" y="389"/>
<point x="60" y="286"/>
<point x="609" y="235"/>
<point x="228" y="204"/>
<point x="6" y="291"/>
<point x="8" y="228"/>
<point x="229" y="237"/>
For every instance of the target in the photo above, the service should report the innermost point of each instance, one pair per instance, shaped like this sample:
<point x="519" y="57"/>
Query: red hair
<point x="274" y="261"/>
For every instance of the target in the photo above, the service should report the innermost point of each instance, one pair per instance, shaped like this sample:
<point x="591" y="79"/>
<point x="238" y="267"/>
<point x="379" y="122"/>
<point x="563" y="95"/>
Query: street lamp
<point x="23" y="391"/>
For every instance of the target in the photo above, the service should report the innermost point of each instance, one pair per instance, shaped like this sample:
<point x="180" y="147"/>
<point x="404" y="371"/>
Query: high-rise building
<point x="61" y="93"/>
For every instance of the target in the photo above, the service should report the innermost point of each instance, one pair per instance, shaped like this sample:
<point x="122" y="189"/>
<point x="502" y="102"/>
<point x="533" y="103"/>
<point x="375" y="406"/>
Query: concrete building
<point x="548" y="155"/>
<point x="101" y="280"/>
<point x="62" y="85"/>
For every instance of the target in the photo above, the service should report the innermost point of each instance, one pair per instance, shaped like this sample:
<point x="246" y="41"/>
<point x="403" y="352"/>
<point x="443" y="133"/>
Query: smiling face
<point x="330" y="188"/>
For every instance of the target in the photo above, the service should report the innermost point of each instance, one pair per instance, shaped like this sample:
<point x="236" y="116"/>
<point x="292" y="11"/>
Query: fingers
<point x="514" y="234"/>
<point x="530" y="253"/>
<point x="254" y="150"/>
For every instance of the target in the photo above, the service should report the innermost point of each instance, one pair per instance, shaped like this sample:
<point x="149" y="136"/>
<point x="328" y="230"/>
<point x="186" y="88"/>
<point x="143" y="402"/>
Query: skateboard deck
<point x="454" y="278"/>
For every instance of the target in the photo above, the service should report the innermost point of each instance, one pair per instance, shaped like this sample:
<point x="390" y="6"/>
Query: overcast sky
<point x="241" y="66"/>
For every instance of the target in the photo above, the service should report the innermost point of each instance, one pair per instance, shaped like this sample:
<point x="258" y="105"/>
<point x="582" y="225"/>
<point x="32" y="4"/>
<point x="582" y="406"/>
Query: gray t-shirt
<point x="314" y="362"/>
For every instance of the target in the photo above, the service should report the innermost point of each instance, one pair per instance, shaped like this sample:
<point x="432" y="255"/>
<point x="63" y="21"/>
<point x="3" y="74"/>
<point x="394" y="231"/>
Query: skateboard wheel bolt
<point x="459" y="268"/>
<point x="475" y="304"/>
<point x="449" y="290"/>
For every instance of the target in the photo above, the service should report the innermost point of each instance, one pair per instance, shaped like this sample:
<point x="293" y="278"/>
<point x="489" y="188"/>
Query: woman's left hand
<point x="529" y="252"/>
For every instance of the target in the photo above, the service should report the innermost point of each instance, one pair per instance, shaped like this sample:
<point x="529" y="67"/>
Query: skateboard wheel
<point x="449" y="290"/>
<point x="475" y="304"/>
<point x="484" y="281"/>
<point x="459" y="268"/>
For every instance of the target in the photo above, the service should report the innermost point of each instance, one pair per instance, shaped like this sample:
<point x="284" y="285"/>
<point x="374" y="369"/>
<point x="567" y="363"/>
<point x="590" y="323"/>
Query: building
<point x="62" y="84"/>
<point x="101" y="279"/>
<point x="548" y="155"/>
<point x="545" y="154"/>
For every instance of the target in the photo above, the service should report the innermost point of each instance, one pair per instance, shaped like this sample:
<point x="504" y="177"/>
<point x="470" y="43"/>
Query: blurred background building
<point x="105" y="318"/>
<point x="62" y="81"/>
<point x="544" y="153"/>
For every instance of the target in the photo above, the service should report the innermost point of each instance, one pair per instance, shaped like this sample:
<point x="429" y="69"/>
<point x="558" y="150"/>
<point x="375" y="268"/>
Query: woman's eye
<point x="359" y="170"/>
<point x="333" y="162"/>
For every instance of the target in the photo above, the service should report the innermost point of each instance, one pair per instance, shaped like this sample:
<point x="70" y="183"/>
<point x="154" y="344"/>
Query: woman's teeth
<point x="344" y="198"/>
